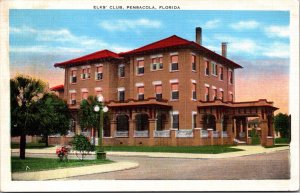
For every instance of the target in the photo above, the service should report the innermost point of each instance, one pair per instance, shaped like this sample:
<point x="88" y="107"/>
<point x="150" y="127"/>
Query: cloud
<point x="277" y="31"/>
<point x="66" y="41"/>
<point x="252" y="47"/>
<point x="244" y="25"/>
<point x="212" y="24"/>
<point x="129" y="24"/>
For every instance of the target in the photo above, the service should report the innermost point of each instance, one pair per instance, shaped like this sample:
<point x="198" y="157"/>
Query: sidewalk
<point x="70" y="172"/>
<point x="248" y="150"/>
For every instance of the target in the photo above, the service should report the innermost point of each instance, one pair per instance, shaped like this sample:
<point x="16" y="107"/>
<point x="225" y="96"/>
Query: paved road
<point x="262" y="166"/>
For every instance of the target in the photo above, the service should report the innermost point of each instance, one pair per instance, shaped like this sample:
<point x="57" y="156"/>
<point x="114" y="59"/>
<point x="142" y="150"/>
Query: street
<point x="261" y="166"/>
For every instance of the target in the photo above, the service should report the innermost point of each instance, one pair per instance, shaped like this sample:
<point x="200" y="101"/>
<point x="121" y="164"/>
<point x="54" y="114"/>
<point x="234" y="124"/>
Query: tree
<point x="88" y="118"/>
<point x="53" y="116"/>
<point x="25" y="92"/>
<point x="282" y="123"/>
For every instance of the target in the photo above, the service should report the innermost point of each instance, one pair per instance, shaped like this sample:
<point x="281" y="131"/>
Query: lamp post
<point x="101" y="108"/>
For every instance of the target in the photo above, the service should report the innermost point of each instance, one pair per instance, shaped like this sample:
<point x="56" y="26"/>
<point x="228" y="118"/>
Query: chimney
<point x="199" y="35"/>
<point x="224" y="49"/>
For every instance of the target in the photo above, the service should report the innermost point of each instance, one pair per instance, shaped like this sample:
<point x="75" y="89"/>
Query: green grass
<point x="37" y="164"/>
<point x="282" y="140"/>
<point x="277" y="145"/>
<point x="179" y="149"/>
<point x="30" y="145"/>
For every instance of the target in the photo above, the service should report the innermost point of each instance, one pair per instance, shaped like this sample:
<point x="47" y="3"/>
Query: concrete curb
<point x="71" y="172"/>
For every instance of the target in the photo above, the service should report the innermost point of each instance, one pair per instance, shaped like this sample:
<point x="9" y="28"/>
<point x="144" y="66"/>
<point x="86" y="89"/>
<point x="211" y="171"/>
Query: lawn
<point x="179" y="149"/>
<point x="282" y="140"/>
<point x="30" y="145"/>
<point x="37" y="164"/>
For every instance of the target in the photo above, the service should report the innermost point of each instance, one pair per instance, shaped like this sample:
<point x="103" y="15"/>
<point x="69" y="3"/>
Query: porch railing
<point x="224" y="134"/>
<point x="121" y="134"/>
<point x="204" y="133"/>
<point x="141" y="133"/>
<point x="215" y="134"/>
<point x="164" y="133"/>
<point x="86" y="133"/>
<point x="184" y="133"/>
<point x="70" y="134"/>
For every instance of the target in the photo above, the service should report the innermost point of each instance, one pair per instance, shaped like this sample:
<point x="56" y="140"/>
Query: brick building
<point x="170" y="92"/>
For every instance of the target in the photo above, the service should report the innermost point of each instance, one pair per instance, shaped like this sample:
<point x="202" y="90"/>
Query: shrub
<point x="82" y="145"/>
<point x="255" y="140"/>
<point x="282" y="140"/>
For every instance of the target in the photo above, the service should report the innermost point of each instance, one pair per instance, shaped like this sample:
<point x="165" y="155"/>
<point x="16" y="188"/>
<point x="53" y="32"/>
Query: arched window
<point x="122" y="122"/>
<point x="142" y="122"/>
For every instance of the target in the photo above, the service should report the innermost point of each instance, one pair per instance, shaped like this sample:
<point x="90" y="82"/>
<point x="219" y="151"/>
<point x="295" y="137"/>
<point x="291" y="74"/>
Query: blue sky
<point x="258" y="40"/>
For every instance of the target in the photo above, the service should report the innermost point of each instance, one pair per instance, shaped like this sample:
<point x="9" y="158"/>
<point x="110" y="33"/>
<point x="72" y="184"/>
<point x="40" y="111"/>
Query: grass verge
<point x="277" y="145"/>
<point x="30" y="145"/>
<point x="179" y="149"/>
<point x="38" y="164"/>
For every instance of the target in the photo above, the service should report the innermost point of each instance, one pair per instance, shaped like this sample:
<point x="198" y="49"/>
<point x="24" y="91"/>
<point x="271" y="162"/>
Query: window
<point x="213" y="68"/>
<point x="157" y="64"/>
<point x="99" y="92"/>
<point x="73" y="99"/>
<point x="221" y="73"/>
<point x="73" y="125"/>
<point x="175" y="91"/>
<point x="193" y="59"/>
<point x="121" y="70"/>
<point x="215" y="94"/>
<point x="99" y="72"/>
<point x="88" y="74"/>
<point x="207" y="68"/>
<point x="194" y="120"/>
<point x="231" y="96"/>
<point x="73" y="78"/>
<point x="174" y="63"/>
<point x="140" y="93"/>
<point x="175" y="123"/>
<point x="222" y="95"/>
<point x="140" y="67"/>
<point x="84" y="95"/>
<point x="194" y="96"/>
<point x="206" y="93"/>
<point x="158" y="92"/>
<point x="121" y="95"/>
<point x="230" y="77"/>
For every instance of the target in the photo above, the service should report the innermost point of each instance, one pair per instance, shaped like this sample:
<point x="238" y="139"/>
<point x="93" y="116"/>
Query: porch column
<point x="113" y="128"/>
<point x="229" y="128"/>
<point x="264" y="131"/>
<point x="219" y="129"/>
<point x="152" y="124"/>
<point x="131" y="131"/>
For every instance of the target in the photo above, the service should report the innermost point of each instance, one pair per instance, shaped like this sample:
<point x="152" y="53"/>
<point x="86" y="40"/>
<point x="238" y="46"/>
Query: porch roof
<point x="137" y="103"/>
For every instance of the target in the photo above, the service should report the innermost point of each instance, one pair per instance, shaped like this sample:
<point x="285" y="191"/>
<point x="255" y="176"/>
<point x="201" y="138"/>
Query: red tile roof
<point x="175" y="41"/>
<point x="103" y="54"/>
<point x="170" y="42"/>
<point x="57" y="88"/>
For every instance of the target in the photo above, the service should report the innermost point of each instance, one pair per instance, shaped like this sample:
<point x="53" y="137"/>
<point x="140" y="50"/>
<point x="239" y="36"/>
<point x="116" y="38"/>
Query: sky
<point x="257" y="40"/>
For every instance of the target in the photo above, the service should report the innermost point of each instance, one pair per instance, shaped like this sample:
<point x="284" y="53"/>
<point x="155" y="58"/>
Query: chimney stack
<point x="199" y="35"/>
<point x="224" y="49"/>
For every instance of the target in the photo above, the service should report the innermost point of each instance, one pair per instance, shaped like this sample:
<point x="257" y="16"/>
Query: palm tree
<point x="25" y="92"/>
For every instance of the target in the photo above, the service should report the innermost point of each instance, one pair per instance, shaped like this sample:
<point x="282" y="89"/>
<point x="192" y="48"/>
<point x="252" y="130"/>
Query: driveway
<point x="260" y="166"/>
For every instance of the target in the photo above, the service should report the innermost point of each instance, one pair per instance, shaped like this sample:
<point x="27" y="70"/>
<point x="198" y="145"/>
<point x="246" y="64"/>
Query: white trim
<point x="173" y="53"/>
<point x="193" y="81"/>
<point x="213" y="87"/>
<point x="193" y="53"/>
<point x="175" y="113"/>
<point x="86" y="66"/>
<point x="72" y="91"/>
<point x="194" y="112"/>
<point x="121" y="89"/>
<point x="230" y="92"/>
<point x="84" y="90"/>
<point x="139" y="59"/>
<point x="139" y="84"/>
<point x="97" y="65"/>
<point x="156" y="56"/>
<point x="221" y="89"/>
<point x="174" y="81"/>
<point x="98" y="89"/>
<point x="157" y="82"/>
<point x="73" y="68"/>
<point x="206" y="85"/>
